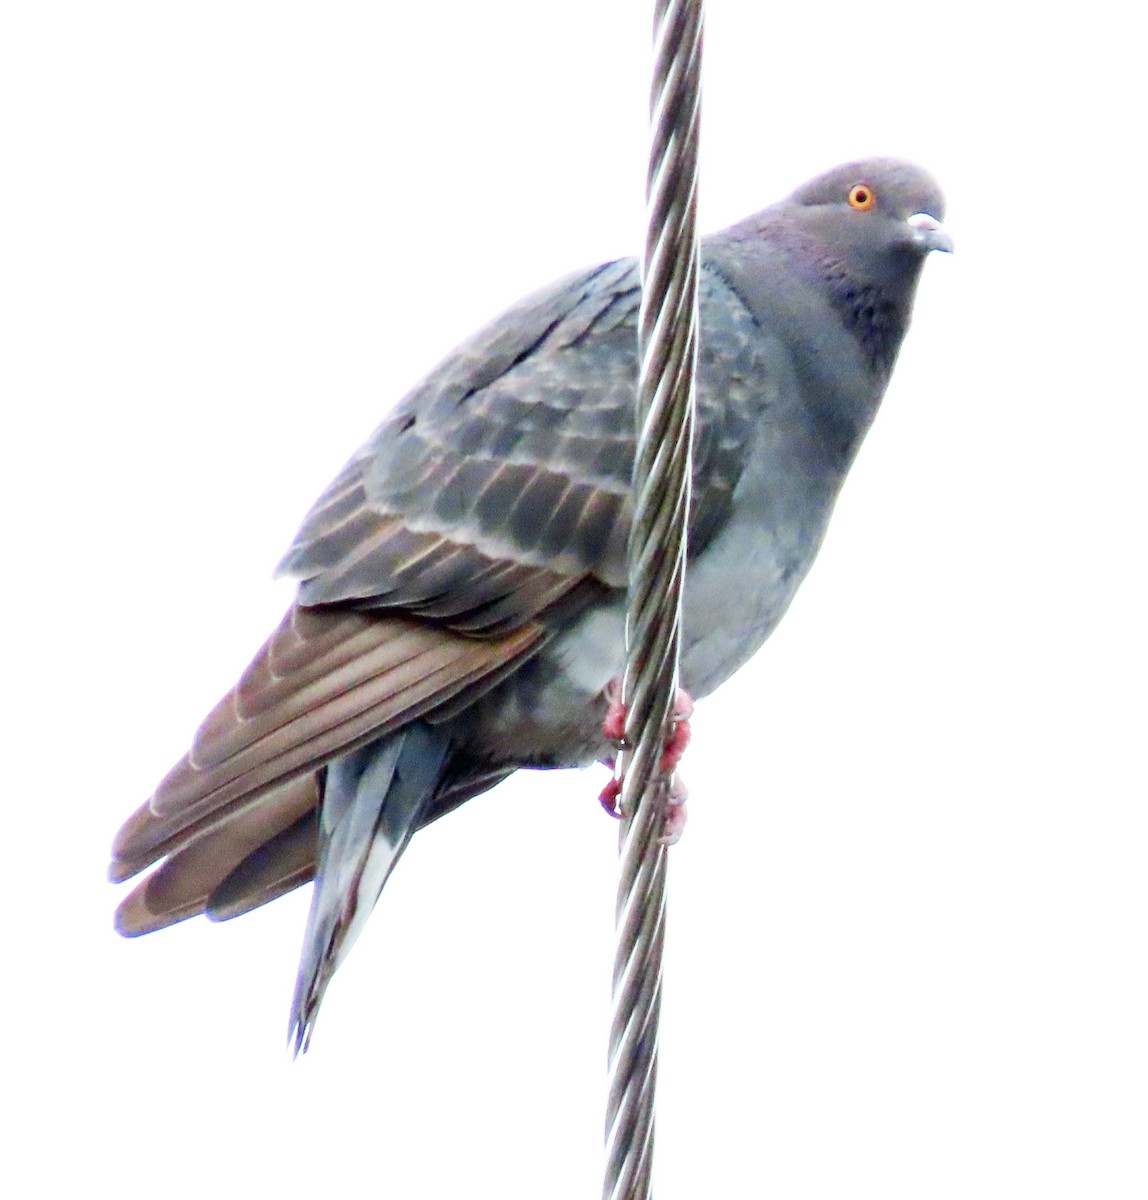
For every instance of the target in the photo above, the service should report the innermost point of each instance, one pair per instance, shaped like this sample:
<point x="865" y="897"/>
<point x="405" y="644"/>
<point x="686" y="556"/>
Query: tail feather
<point x="375" y="798"/>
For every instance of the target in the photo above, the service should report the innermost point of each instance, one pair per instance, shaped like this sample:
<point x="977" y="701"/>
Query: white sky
<point x="908" y="930"/>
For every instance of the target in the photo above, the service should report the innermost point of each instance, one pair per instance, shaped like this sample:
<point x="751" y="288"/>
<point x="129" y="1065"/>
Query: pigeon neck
<point x="875" y="315"/>
<point x="842" y="322"/>
<point x="837" y="387"/>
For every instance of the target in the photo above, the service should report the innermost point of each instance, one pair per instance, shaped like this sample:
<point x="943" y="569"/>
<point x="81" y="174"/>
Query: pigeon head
<point x="864" y="230"/>
<point x="879" y="214"/>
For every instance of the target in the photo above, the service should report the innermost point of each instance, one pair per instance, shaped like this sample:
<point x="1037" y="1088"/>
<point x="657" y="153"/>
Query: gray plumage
<point x="461" y="582"/>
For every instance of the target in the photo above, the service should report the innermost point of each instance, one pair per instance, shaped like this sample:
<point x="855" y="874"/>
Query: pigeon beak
<point x="929" y="233"/>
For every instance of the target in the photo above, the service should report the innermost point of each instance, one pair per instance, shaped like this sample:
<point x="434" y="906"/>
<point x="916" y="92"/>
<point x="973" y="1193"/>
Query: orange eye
<point x="861" y="197"/>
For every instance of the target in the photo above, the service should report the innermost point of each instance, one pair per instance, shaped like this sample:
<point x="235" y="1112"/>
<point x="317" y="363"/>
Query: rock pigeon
<point x="461" y="583"/>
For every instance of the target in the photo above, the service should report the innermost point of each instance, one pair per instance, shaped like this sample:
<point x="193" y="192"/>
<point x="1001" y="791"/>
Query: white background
<point x="908" y="938"/>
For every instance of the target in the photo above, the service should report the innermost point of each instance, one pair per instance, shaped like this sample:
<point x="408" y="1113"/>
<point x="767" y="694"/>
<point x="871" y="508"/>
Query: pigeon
<point x="462" y="583"/>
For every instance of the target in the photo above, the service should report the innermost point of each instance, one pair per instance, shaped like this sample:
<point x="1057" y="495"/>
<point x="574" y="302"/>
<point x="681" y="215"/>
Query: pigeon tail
<point x="374" y="800"/>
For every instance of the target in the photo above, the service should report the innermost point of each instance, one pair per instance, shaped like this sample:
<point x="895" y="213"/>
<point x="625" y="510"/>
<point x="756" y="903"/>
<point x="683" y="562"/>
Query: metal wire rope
<point x="667" y="342"/>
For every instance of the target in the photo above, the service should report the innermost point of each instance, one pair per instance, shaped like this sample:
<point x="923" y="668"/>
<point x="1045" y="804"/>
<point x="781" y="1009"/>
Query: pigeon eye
<point x="861" y="197"/>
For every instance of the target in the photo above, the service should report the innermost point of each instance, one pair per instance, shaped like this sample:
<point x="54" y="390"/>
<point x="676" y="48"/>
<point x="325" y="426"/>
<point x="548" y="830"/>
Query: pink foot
<point x="614" y="729"/>
<point x="614" y="726"/>
<point x="609" y="796"/>
<point x="680" y="732"/>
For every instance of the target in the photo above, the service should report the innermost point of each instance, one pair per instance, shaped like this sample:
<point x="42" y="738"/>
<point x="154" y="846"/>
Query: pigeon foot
<point x="678" y="738"/>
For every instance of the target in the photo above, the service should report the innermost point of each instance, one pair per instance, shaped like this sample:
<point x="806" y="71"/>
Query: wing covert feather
<point x="512" y="461"/>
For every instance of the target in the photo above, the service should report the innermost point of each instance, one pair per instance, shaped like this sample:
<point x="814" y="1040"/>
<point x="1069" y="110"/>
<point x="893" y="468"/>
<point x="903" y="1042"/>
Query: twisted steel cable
<point x="667" y="340"/>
